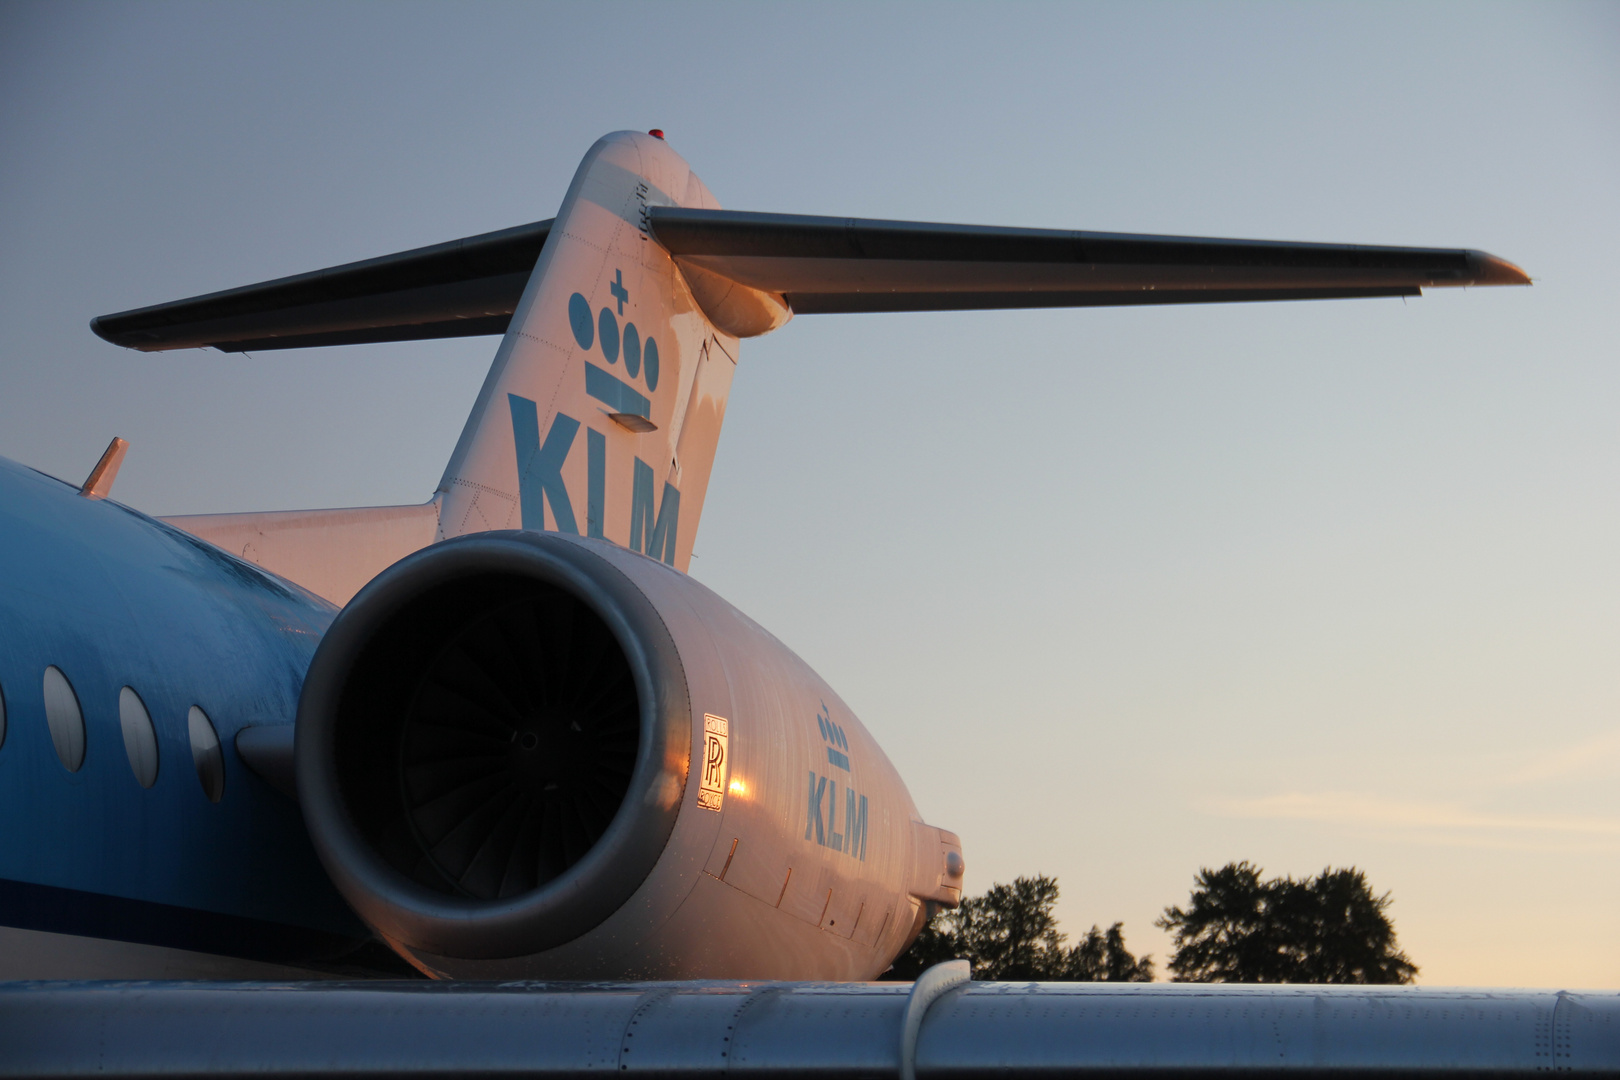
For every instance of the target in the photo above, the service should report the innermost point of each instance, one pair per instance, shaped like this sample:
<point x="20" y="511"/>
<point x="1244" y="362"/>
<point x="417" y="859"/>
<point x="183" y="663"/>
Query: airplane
<point x="502" y="736"/>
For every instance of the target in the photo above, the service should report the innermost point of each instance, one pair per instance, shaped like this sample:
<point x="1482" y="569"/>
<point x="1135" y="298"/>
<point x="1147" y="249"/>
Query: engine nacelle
<point x="531" y="755"/>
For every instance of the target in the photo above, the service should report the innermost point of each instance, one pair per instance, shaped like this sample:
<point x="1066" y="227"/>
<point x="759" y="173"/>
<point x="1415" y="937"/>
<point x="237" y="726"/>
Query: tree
<point x="1103" y="957"/>
<point x="1326" y="929"/>
<point x="935" y="945"/>
<point x="1010" y="934"/>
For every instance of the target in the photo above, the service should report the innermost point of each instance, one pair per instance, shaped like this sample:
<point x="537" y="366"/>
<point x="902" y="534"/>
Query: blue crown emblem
<point x="838" y="751"/>
<point x="603" y="331"/>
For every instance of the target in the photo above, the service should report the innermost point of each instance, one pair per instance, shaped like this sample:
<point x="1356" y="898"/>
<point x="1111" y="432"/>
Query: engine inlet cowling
<point x="492" y="745"/>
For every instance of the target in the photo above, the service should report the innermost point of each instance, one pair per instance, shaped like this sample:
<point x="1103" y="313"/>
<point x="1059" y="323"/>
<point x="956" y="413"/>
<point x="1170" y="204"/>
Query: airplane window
<point x="140" y="740"/>
<point x="205" y="753"/>
<point x="65" y="719"/>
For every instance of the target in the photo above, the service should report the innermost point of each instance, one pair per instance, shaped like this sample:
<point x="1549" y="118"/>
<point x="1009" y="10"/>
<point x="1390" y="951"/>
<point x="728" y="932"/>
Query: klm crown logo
<point x="640" y="358"/>
<point x="838" y="752"/>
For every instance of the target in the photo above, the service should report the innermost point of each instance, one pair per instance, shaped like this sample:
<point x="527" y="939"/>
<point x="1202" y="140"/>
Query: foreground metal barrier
<point x="943" y="1029"/>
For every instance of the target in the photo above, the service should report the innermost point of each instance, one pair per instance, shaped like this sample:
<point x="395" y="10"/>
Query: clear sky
<point x="1123" y="593"/>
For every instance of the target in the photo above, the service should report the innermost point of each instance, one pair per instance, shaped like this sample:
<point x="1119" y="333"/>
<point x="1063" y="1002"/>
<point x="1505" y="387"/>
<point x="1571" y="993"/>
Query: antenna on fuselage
<point x="98" y="485"/>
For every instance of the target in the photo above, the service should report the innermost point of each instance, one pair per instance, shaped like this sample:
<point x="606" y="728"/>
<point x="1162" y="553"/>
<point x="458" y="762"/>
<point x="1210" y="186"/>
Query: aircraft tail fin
<point x="602" y="410"/>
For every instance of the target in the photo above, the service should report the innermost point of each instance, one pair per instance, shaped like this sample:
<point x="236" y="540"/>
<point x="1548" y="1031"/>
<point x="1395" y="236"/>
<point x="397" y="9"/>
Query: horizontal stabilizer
<point x="816" y="265"/>
<point x="827" y="265"/>
<point x="464" y="288"/>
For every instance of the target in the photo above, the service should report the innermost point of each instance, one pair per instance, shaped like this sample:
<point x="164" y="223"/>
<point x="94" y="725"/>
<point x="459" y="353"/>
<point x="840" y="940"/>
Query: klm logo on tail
<point x="653" y="525"/>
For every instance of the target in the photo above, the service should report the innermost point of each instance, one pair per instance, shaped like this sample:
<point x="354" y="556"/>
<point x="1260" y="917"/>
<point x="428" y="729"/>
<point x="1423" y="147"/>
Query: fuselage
<point x="120" y="604"/>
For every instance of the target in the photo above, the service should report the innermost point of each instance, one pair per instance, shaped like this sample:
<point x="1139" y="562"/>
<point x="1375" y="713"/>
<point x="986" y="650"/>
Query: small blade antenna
<point x="98" y="485"/>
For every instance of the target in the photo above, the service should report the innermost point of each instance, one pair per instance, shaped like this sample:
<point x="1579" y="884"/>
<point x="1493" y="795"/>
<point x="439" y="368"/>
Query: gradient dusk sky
<point x="1122" y="592"/>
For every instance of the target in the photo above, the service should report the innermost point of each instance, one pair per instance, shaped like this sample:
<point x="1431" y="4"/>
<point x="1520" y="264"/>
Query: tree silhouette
<point x="1326" y="929"/>
<point x="1009" y="934"/>
<point x="1102" y="957"/>
<point x="935" y="945"/>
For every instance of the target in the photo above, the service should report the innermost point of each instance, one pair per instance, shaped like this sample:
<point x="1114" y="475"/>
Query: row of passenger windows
<point x="65" y="719"/>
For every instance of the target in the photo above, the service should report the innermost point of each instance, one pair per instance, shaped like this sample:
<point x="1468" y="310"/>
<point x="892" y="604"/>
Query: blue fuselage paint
<point x="114" y="598"/>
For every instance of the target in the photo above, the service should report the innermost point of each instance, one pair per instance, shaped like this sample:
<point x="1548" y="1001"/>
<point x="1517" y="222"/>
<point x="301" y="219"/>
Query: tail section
<point x="602" y="410"/>
<point x="601" y="413"/>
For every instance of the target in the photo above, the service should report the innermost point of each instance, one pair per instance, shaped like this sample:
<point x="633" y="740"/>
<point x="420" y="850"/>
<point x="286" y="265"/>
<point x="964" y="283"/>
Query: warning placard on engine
<point x="712" y="781"/>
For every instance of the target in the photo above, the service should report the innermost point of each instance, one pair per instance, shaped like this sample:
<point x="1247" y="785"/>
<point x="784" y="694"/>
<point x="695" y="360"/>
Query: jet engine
<point x="534" y="755"/>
